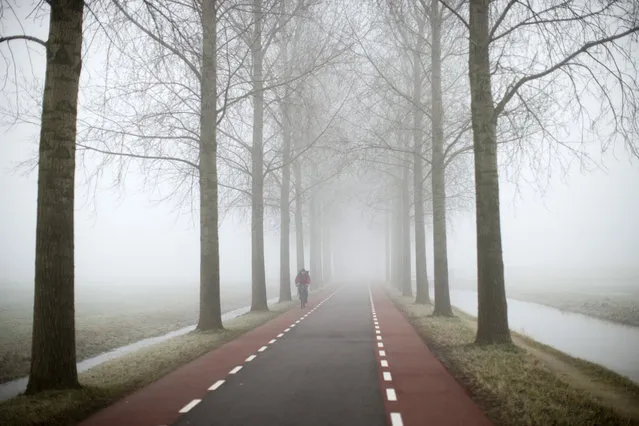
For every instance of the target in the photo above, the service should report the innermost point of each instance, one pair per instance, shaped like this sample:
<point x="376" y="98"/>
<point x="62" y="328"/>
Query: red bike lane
<point x="160" y="402"/>
<point x="417" y="388"/>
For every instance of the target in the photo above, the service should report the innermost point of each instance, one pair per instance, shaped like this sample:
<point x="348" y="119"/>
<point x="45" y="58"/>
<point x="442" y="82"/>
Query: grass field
<point x="107" y="317"/>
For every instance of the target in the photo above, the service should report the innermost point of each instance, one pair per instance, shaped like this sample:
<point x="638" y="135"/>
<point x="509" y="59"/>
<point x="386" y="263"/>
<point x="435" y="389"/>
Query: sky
<point x="583" y="222"/>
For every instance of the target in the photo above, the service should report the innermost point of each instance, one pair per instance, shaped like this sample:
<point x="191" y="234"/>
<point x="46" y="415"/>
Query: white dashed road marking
<point x="396" y="419"/>
<point x="251" y="358"/>
<point x="391" y="395"/>
<point x="190" y="405"/>
<point x="235" y="370"/>
<point x="262" y="349"/>
<point x="382" y="353"/>
<point x="270" y="342"/>
<point x="387" y="376"/>
<point x="216" y="385"/>
<point x="384" y="363"/>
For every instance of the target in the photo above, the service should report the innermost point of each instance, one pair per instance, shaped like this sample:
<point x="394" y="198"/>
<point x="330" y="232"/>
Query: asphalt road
<point x="321" y="372"/>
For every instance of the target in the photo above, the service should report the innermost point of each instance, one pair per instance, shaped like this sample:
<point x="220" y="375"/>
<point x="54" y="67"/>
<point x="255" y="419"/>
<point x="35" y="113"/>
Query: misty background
<point x="570" y="225"/>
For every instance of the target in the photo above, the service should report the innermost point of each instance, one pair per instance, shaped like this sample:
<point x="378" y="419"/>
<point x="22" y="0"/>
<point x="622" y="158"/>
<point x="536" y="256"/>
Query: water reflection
<point x="612" y="345"/>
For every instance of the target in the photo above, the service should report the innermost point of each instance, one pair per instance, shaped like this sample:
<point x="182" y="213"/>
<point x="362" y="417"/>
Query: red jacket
<point x="303" y="278"/>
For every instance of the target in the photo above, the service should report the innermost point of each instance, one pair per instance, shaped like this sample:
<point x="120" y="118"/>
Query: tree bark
<point x="316" y="241"/>
<point x="53" y="355"/>
<point x="406" y="275"/>
<point x="438" y="177"/>
<point x="388" y="224"/>
<point x="492" y="319"/>
<point x="210" y="307"/>
<point x="285" y="193"/>
<point x="258" y="302"/>
<point x="397" y="247"/>
<point x="421" y="276"/>
<point x="327" y="269"/>
<point x="299" y="219"/>
<point x="285" y="214"/>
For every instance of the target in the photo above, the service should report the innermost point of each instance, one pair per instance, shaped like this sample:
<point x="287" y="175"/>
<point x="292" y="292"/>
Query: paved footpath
<point x="348" y="359"/>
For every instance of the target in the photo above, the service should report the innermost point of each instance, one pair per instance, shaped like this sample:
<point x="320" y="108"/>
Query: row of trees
<point x="265" y="106"/>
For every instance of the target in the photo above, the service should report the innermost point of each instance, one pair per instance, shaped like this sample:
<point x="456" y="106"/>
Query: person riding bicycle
<point x="302" y="281"/>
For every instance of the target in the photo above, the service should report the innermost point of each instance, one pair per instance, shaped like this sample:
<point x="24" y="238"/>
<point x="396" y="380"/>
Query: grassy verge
<point x="527" y="383"/>
<point x="112" y="380"/>
<point x="107" y="317"/>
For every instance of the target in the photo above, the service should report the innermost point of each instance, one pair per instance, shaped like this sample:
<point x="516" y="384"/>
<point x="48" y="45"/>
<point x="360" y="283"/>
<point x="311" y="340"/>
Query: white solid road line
<point x="262" y="349"/>
<point x="235" y="370"/>
<point x="190" y="405"/>
<point x="387" y="376"/>
<point x="217" y="384"/>
<point x="251" y="358"/>
<point x="384" y="363"/>
<point x="391" y="395"/>
<point x="396" y="419"/>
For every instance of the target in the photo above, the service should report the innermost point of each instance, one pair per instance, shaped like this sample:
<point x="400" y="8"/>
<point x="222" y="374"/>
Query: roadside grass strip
<point x="525" y="383"/>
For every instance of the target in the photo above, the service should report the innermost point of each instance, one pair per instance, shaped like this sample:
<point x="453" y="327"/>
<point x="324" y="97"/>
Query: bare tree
<point x="575" y="47"/>
<point x="53" y="354"/>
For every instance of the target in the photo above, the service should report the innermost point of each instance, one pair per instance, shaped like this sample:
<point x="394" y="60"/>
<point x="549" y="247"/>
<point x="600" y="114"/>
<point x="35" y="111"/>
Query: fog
<point x="583" y="223"/>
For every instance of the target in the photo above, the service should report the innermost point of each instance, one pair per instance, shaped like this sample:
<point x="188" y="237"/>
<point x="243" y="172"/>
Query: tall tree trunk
<point x="258" y="302"/>
<point x="210" y="309"/>
<point x="299" y="219"/>
<point x="438" y="177"/>
<point x="316" y="242"/>
<point x="492" y="319"/>
<point x="285" y="214"/>
<point x="388" y="224"/>
<point x="397" y="250"/>
<point x="406" y="275"/>
<point x="53" y="357"/>
<point x="327" y="268"/>
<point x="418" y="173"/>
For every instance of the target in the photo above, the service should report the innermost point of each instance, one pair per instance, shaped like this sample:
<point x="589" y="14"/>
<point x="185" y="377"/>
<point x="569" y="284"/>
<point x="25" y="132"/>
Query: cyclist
<point x="302" y="281"/>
